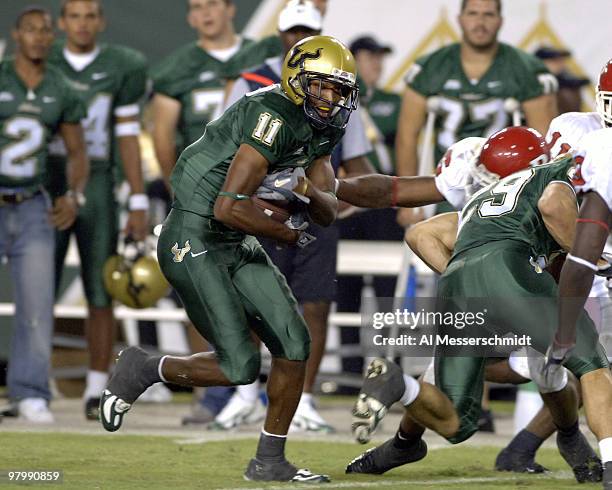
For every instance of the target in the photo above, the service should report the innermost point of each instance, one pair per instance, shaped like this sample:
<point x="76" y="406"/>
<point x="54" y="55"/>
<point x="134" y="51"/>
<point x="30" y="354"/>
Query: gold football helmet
<point x="136" y="282"/>
<point x="326" y="60"/>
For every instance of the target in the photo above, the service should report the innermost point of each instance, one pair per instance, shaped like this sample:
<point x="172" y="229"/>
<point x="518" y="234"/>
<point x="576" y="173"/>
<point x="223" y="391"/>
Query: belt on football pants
<point x="17" y="197"/>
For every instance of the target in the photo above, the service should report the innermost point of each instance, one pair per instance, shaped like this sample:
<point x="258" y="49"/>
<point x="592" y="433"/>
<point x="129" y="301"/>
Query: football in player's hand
<point x="278" y="210"/>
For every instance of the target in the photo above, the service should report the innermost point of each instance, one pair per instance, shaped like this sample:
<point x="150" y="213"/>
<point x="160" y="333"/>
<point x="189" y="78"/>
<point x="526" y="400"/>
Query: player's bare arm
<point x="384" y="191"/>
<point x="236" y="210"/>
<point x="129" y="149"/>
<point x="540" y="111"/>
<point x="166" y="113"/>
<point x="65" y="208"/>
<point x="411" y="119"/>
<point x="319" y="188"/>
<point x="434" y="240"/>
<point x="592" y="229"/>
<point x="559" y="211"/>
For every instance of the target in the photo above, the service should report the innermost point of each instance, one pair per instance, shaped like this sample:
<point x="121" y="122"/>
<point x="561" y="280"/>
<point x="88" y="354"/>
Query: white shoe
<point x="35" y="410"/>
<point x="238" y="411"/>
<point x="156" y="393"/>
<point x="307" y="419"/>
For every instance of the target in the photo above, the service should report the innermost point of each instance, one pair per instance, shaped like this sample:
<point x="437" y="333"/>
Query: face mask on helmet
<point x="604" y="94"/>
<point x="320" y="110"/>
<point x="506" y="152"/>
<point x="134" y="278"/>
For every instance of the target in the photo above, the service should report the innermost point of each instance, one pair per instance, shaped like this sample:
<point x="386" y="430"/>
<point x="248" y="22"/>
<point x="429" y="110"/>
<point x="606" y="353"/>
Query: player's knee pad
<point x="519" y="364"/>
<point x="243" y="371"/>
<point x="548" y="380"/>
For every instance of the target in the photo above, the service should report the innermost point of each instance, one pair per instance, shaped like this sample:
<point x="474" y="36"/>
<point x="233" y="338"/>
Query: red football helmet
<point x="604" y="94"/>
<point x="508" y="151"/>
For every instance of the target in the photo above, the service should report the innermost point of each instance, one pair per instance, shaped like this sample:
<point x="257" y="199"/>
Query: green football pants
<point x="228" y="286"/>
<point x="498" y="276"/>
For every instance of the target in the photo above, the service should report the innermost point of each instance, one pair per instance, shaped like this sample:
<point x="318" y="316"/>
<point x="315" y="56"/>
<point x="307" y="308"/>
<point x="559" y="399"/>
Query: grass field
<point x="133" y="461"/>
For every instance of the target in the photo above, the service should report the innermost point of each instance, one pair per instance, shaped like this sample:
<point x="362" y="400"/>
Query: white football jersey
<point x="568" y="129"/>
<point x="453" y="171"/>
<point x="594" y="164"/>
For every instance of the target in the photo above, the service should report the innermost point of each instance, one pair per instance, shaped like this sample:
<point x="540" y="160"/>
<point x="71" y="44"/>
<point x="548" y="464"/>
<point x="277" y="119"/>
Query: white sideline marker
<point x="557" y="475"/>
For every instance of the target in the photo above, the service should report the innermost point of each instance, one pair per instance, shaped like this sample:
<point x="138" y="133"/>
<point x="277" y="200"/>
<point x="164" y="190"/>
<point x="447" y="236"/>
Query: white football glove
<point x="279" y="185"/>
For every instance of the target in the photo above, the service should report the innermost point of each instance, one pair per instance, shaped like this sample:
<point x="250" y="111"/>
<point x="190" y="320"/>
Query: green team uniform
<point x="476" y="109"/>
<point x="29" y="118"/>
<point x="383" y="108"/>
<point x="112" y="85"/>
<point x="196" y="79"/>
<point x="502" y="238"/>
<point x="225" y="279"/>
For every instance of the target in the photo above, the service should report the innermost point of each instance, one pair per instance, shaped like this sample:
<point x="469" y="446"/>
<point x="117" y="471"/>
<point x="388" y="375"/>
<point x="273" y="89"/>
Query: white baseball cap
<point x="300" y="13"/>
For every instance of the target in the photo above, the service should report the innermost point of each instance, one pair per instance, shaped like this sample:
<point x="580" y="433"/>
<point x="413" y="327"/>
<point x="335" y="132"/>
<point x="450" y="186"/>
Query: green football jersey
<point x="508" y="210"/>
<point x="476" y="108"/>
<point x="194" y="78"/>
<point x="383" y="108"/>
<point x="112" y="85"/>
<point x="254" y="54"/>
<point x="266" y="120"/>
<point x="29" y="118"/>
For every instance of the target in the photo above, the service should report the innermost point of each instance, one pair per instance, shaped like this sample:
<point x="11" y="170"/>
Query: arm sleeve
<point x="133" y="87"/>
<point x="534" y="77"/>
<point x="593" y="163"/>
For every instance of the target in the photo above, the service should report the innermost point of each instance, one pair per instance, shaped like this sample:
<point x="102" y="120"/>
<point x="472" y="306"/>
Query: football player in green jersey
<point x="112" y="80"/>
<point x="530" y="213"/>
<point x="188" y="85"/>
<point x="282" y="137"/>
<point x="470" y="83"/>
<point x="36" y="101"/>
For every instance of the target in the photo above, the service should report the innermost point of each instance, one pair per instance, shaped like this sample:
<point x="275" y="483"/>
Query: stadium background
<point x="413" y="28"/>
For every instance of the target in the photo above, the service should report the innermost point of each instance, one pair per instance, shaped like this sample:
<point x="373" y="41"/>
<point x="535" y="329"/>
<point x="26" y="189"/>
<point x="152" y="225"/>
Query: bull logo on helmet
<point x="298" y="57"/>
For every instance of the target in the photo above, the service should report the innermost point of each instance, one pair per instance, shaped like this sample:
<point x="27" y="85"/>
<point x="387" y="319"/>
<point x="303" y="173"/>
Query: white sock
<point x="160" y="367"/>
<point x="413" y="388"/>
<point x="605" y="449"/>
<point x="306" y="398"/>
<point x="249" y="393"/>
<point x="95" y="384"/>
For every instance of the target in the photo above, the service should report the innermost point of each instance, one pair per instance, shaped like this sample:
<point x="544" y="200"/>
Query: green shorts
<point x="228" y="287"/>
<point x="96" y="230"/>
<point x="499" y="274"/>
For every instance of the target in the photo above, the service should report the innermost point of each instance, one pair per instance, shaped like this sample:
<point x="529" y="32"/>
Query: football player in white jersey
<point x="592" y="180"/>
<point x="566" y="134"/>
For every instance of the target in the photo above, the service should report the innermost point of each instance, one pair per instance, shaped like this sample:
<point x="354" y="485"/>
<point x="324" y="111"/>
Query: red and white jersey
<point x="594" y="164"/>
<point x="567" y="130"/>
<point x="453" y="171"/>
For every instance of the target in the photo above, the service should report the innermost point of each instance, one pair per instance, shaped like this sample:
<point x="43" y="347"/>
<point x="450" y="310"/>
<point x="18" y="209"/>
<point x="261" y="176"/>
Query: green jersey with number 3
<point x="28" y="120"/>
<point x="508" y="210"/>
<point x="266" y="120"/>
<point x="194" y="78"/>
<point x="476" y="107"/>
<point x="112" y="85"/>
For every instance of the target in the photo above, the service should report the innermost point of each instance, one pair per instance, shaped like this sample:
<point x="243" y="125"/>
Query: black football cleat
<point x="385" y="457"/>
<point x="124" y="387"/>
<point x="517" y="462"/>
<point x="580" y="456"/>
<point x="284" y="471"/>
<point x="607" y="476"/>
